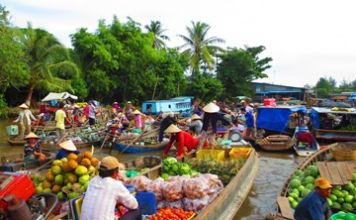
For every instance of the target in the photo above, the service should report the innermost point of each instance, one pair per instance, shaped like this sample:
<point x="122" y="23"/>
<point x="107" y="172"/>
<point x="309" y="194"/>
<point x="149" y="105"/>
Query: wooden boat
<point x="14" y="162"/>
<point x="283" y="208"/>
<point x="15" y="141"/>
<point x="335" y="135"/>
<point x="229" y="201"/>
<point x="137" y="148"/>
<point x="276" y="142"/>
<point x="301" y="148"/>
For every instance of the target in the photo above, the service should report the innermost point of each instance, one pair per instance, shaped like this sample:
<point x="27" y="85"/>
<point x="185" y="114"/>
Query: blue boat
<point x="137" y="148"/>
<point x="182" y="104"/>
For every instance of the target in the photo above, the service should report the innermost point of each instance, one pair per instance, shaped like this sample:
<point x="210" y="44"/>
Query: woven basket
<point x="344" y="151"/>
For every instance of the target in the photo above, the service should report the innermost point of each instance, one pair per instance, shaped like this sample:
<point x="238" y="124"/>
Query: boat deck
<point x="339" y="173"/>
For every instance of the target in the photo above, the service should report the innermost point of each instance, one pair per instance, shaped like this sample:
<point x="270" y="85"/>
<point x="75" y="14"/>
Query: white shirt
<point x="25" y="117"/>
<point x="102" y="196"/>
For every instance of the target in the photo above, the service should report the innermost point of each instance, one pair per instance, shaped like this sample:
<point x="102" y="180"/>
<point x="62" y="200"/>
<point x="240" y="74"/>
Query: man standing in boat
<point x="60" y="117"/>
<point x="24" y="120"/>
<point x="314" y="205"/>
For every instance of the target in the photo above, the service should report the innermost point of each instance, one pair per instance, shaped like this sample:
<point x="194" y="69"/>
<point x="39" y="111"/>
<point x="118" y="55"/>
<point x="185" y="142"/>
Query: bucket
<point x="12" y="130"/>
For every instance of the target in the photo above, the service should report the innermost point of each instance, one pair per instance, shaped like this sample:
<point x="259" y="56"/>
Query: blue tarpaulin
<point x="276" y="118"/>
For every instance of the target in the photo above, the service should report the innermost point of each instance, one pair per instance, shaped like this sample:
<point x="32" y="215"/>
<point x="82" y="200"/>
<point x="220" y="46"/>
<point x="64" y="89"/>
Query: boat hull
<point x="135" y="149"/>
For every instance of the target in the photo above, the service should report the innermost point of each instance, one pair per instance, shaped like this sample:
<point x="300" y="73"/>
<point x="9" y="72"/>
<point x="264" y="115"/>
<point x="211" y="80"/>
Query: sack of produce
<point x="195" y="187"/>
<point x="214" y="183"/>
<point x="141" y="183"/>
<point x="172" y="190"/>
<point x="156" y="187"/>
<point x="175" y="204"/>
<point x="195" y="204"/>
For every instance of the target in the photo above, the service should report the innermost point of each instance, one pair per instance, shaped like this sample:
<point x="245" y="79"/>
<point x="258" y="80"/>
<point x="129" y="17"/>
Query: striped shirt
<point x="102" y="196"/>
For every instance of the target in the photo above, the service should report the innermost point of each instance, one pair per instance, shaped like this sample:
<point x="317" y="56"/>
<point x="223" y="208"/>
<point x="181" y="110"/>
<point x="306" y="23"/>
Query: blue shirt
<point x="312" y="207"/>
<point x="249" y="120"/>
<point x="64" y="153"/>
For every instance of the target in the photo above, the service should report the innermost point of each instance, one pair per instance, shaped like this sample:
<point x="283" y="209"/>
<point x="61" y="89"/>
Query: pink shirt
<point x="138" y="121"/>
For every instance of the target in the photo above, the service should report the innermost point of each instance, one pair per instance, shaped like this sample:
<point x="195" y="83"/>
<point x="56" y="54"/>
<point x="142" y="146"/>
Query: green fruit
<point x="294" y="195"/>
<point x="61" y="196"/>
<point x="349" y="198"/>
<point x="308" y="179"/>
<point x="298" y="173"/>
<point x="59" y="179"/>
<point x="76" y="187"/>
<point x="350" y="186"/>
<point x="39" y="189"/>
<point x="305" y="192"/>
<point x="310" y="186"/>
<point x="354" y="205"/>
<point x="301" y="188"/>
<point x="47" y="190"/>
<point x="295" y="183"/>
<point x="294" y="204"/>
<point x="73" y="195"/>
<point x="341" y="200"/>
<point x="330" y="202"/>
<point x="69" y="185"/>
<point x="71" y="177"/>
<point x="165" y="176"/>
<point x="345" y="192"/>
<point x="57" y="163"/>
<point x="64" y="160"/>
<point x="81" y="170"/>
<point x="347" y="207"/>
<point x="336" y="205"/>
<point x="83" y="179"/>
<point x="290" y="199"/>
<point x="56" y="170"/>
<point x="313" y="170"/>
<point x="296" y="192"/>
<point x="333" y="197"/>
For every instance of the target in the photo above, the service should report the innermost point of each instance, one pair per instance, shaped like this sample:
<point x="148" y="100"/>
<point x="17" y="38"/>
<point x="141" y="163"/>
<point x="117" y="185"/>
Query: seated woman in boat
<point x="67" y="147"/>
<point x="138" y="121"/>
<point x="32" y="149"/>
<point x="184" y="141"/>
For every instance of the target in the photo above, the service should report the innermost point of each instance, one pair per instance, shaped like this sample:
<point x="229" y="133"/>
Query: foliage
<point x="325" y="86"/>
<point x="155" y="28"/>
<point x="12" y="61"/>
<point x="238" y="67"/>
<point x="204" y="86"/>
<point x="200" y="48"/>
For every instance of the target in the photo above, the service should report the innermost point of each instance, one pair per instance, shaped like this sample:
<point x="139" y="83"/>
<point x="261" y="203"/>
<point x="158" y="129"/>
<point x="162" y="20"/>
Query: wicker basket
<point x="344" y="151"/>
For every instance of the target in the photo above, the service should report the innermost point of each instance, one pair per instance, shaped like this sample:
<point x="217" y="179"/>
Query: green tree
<point x="238" y="67"/>
<point x="204" y="87"/>
<point x="155" y="28"/>
<point x="325" y="86"/>
<point x="13" y="67"/>
<point x="47" y="60"/>
<point x="200" y="48"/>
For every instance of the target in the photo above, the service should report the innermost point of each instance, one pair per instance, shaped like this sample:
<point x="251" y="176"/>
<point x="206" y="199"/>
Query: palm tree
<point x="155" y="28"/>
<point x="200" y="48"/>
<point x="45" y="58"/>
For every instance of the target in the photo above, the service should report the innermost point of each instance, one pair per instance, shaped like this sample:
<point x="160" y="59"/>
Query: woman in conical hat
<point x="195" y="124"/>
<point x="24" y="119"/>
<point x="185" y="142"/>
<point x="67" y="147"/>
<point x="32" y="149"/>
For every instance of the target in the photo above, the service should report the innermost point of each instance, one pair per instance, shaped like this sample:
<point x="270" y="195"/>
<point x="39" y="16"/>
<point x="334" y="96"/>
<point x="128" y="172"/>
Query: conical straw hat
<point x="136" y="112"/>
<point x="68" y="145"/>
<point x="211" y="108"/>
<point x="172" y="129"/>
<point x="23" y="105"/>
<point x="32" y="135"/>
<point x="195" y="116"/>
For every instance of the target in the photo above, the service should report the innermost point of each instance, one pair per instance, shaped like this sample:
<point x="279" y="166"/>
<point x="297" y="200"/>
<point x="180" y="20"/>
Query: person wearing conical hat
<point x="24" y="119"/>
<point x="168" y="119"/>
<point x="138" y="120"/>
<point x="183" y="140"/>
<point x="211" y="116"/>
<point x="32" y="149"/>
<point x="195" y="124"/>
<point x="67" y="147"/>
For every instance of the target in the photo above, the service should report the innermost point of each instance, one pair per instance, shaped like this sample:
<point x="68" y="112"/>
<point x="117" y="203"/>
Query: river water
<point x="274" y="168"/>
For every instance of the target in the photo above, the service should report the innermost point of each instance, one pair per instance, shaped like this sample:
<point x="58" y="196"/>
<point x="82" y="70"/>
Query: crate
<point x="147" y="202"/>
<point x="12" y="130"/>
<point x="211" y="154"/>
<point x="239" y="152"/>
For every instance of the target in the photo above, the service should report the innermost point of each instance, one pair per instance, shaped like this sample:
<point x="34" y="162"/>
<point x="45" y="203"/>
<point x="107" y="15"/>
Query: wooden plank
<point x="334" y="173"/>
<point x="343" y="171"/>
<point x="324" y="172"/>
<point x="284" y="206"/>
<point x="351" y="168"/>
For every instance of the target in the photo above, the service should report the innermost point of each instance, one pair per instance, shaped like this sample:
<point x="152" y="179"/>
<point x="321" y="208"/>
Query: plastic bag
<point x="141" y="183"/>
<point x="195" y="204"/>
<point x="156" y="187"/>
<point x="195" y="187"/>
<point x="175" y="204"/>
<point x="214" y="183"/>
<point x="172" y="190"/>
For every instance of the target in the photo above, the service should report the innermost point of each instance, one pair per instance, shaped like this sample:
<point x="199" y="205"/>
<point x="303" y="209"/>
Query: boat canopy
<point x="316" y="111"/>
<point x="57" y="96"/>
<point x="276" y="118"/>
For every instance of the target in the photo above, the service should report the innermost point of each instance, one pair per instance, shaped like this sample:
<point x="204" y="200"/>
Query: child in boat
<point x="67" y="147"/>
<point x="32" y="149"/>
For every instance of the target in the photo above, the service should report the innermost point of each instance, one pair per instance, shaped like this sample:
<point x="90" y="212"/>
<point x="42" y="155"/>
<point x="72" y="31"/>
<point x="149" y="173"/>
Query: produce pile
<point x="226" y="170"/>
<point x="172" y="213"/>
<point x="171" y="167"/>
<point x="341" y="198"/>
<point x="68" y="177"/>
<point x="189" y="193"/>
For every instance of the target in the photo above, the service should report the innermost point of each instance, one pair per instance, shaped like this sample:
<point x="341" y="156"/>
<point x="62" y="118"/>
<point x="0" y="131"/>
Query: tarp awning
<point x="276" y="118"/>
<point x="58" y="96"/>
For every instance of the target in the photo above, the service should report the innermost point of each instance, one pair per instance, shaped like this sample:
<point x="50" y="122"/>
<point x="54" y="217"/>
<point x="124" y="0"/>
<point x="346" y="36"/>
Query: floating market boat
<point x="334" y="124"/>
<point x="276" y="142"/>
<point x="13" y="162"/>
<point x="336" y="162"/>
<point x="302" y="148"/>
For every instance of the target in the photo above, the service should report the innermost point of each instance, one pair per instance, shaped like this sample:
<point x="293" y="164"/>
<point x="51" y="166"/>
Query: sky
<point x="307" y="39"/>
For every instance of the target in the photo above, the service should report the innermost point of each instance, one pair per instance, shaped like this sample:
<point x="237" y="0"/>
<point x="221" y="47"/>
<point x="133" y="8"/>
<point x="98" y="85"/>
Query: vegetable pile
<point x="171" y="167"/>
<point x="172" y="213"/>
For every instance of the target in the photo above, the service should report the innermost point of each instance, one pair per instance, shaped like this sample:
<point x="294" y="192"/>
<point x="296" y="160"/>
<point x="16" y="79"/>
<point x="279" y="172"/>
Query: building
<point x="267" y="90"/>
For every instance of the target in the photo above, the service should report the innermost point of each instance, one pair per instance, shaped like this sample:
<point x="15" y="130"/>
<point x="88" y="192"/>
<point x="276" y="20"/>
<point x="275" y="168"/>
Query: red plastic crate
<point x="19" y="185"/>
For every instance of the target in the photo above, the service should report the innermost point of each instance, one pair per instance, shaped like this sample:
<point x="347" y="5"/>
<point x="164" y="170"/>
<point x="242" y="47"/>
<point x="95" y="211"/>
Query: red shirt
<point x="184" y="139"/>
